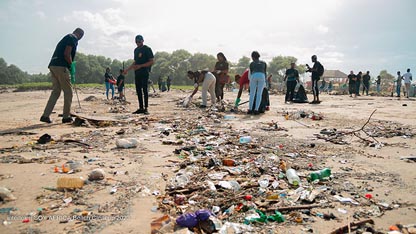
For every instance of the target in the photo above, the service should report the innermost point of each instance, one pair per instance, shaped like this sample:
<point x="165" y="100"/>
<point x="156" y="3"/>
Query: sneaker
<point x="146" y="112"/>
<point x="256" y="112"/>
<point x="67" y="120"/>
<point x="45" y="119"/>
<point x="249" y="112"/>
<point x="139" y="111"/>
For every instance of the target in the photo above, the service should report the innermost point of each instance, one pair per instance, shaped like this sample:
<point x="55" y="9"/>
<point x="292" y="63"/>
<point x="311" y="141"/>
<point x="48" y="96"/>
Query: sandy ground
<point x="391" y="179"/>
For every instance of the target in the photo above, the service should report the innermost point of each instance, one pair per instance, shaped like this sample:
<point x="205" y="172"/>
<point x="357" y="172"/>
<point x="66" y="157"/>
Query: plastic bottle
<point x="292" y="177"/>
<point x="245" y="139"/>
<point x="319" y="175"/>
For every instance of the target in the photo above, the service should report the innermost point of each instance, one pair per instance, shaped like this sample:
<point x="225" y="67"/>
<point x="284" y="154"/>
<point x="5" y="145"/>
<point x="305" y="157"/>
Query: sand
<point x="151" y="161"/>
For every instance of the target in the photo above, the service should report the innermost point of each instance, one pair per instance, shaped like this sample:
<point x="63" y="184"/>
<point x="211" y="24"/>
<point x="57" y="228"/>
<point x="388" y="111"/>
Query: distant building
<point x="336" y="76"/>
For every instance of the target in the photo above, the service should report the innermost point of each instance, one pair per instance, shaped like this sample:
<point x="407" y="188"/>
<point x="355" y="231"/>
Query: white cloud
<point x="41" y="14"/>
<point x="322" y="29"/>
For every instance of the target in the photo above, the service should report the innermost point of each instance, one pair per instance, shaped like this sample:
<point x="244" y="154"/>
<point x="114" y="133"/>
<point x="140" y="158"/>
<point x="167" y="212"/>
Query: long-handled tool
<point x="73" y="64"/>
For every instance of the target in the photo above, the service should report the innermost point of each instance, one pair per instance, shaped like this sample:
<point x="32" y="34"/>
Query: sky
<point x="345" y="34"/>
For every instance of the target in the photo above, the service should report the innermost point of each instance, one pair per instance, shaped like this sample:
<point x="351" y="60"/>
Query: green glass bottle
<point x="319" y="175"/>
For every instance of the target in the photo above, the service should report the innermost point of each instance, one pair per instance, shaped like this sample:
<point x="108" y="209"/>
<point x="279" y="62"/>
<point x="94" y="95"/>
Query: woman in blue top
<point x="257" y="82"/>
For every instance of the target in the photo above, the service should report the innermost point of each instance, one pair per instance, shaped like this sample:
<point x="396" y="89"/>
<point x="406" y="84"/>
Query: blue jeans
<point x="109" y="86"/>
<point x="257" y="83"/>
<point x="378" y="88"/>
<point x="398" y="87"/>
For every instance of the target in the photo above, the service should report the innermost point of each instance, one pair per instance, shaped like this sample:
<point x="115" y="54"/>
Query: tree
<point x="242" y="64"/>
<point x="387" y="79"/>
<point x="277" y="67"/>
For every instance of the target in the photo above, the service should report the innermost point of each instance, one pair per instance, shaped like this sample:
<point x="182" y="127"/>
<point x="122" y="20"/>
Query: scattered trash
<point x="69" y="183"/>
<point x="6" y="195"/>
<point x="126" y="143"/>
<point x="96" y="174"/>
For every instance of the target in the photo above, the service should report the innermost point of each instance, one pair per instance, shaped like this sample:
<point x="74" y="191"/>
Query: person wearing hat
<point x="143" y="60"/>
<point x="60" y="66"/>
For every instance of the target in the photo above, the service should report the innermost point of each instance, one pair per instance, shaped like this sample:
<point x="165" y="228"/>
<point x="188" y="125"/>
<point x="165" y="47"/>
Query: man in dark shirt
<point x="351" y="83"/>
<point x="292" y="77"/>
<point x="120" y="85"/>
<point x="143" y="60"/>
<point x="317" y="71"/>
<point x="366" y="82"/>
<point x="59" y="67"/>
<point x="358" y="83"/>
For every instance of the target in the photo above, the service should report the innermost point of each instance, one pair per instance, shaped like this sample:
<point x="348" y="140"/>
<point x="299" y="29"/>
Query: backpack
<point x="321" y="70"/>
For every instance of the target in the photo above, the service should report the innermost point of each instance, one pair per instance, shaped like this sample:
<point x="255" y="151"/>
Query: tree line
<point x="91" y="68"/>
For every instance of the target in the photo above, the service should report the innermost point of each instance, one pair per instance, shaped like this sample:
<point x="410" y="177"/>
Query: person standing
<point x="143" y="60"/>
<point x="317" y="71"/>
<point x="352" y="78"/>
<point x="358" y="83"/>
<point x="59" y="66"/>
<point x="291" y="78"/>
<point x="258" y="75"/>
<point x="159" y="83"/>
<point x="169" y="82"/>
<point x="120" y="85"/>
<point x="109" y="82"/>
<point x="378" y="83"/>
<point x="407" y="80"/>
<point x="207" y="79"/>
<point x="221" y="74"/>
<point x="398" y="84"/>
<point x="366" y="83"/>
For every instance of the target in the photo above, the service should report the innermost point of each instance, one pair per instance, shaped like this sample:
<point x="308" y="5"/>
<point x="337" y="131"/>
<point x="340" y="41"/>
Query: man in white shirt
<point x="407" y="80"/>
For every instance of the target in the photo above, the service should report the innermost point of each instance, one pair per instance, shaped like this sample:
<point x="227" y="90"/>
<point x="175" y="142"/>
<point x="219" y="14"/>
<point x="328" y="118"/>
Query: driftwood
<point x="345" y="228"/>
<point x="336" y="136"/>
<point x="290" y="208"/>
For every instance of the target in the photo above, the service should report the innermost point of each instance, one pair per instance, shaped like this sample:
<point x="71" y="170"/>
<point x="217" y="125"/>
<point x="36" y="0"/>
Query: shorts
<point x="120" y="88"/>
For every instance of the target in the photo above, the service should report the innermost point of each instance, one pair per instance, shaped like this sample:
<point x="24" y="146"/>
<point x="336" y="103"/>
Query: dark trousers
<point x="315" y="88"/>
<point x="351" y="88"/>
<point x="219" y="90"/>
<point x="290" y="90"/>
<point x="357" y="87"/>
<point x="142" y="90"/>
<point x="366" y="87"/>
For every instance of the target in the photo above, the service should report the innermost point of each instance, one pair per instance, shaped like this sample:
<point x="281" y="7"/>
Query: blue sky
<point x="345" y="34"/>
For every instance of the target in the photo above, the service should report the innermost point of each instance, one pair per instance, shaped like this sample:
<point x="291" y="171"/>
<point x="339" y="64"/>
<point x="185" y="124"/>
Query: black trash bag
<point x="300" y="95"/>
<point x="45" y="138"/>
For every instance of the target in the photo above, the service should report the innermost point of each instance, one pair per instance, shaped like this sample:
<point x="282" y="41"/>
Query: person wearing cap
<point x="143" y="60"/>
<point x="60" y="66"/>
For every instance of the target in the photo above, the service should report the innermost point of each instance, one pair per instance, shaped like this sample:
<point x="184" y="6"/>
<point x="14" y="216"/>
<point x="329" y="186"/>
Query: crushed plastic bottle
<point x="292" y="177"/>
<point x="126" y="143"/>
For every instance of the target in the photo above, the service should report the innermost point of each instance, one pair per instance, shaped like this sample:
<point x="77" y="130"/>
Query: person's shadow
<point x="26" y="130"/>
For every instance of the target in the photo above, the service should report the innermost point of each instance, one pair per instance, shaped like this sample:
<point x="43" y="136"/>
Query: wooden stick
<point x="289" y="208"/>
<point x="349" y="225"/>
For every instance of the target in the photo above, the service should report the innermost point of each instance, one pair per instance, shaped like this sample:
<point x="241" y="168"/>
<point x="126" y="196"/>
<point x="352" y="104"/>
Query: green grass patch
<point x="48" y="86"/>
